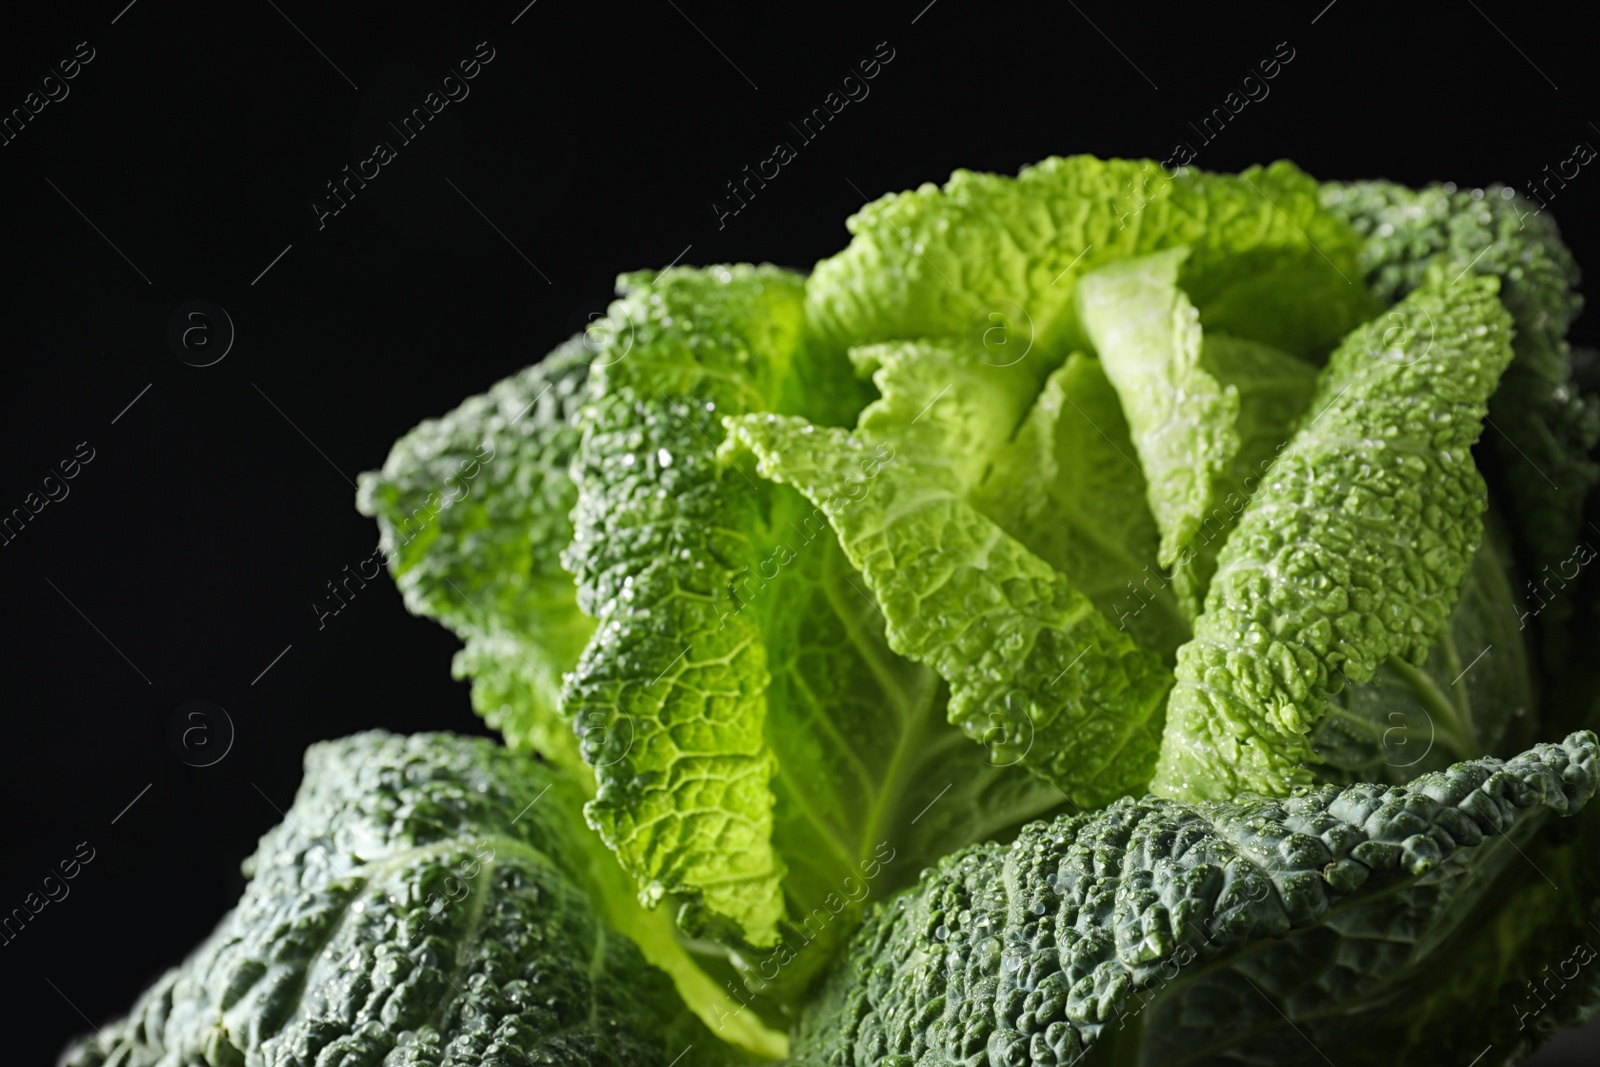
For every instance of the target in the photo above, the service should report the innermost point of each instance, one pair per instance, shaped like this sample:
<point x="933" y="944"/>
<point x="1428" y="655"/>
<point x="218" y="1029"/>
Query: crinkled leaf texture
<point x="1274" y="389"/>
<point x="427" y="900"/>
<point x="1068" y="485"/>
<point x="754" y="677"/>
<point x="669" y="699"/>
<point x="1036" y="673"/>
<point x="1545" y="427"/>
<point x="766" y="764"/>
<point x="1148" y="338"/>
<point x="760" y="749"/>
<point x="1352" y="552"/>
<point x="695" y="684"/>
<point x="1474" y="694"/>
<point x="1253" y="930"/>
<point x="1147" y="335"/>
<point x="996" y="259"/>
<point x="1207" y="411"/>
<point x="472" y="512"/>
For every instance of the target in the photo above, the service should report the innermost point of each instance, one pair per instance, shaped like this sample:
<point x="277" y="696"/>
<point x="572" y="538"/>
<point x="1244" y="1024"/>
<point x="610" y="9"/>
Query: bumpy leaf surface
<point x="1068" y="486"/>
<point x="1036" y="673"/>
<point x="1156" y="932"/>
<point x="669" y="699"/>
<point x="428" y="901"/>
<point x="1352" y="552"/>
<point x="472" y="510"/>
<point x="867" y="783"/>
<point x="1543" y="427"/>
<point x="986" y="252"/>
<point x="1274" y="389"/>
<point x="759" y="748"/>
<point x="1473" y="695"/>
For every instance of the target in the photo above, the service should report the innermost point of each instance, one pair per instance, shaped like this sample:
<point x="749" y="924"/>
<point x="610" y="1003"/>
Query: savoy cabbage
<point x="1088" y="617"/>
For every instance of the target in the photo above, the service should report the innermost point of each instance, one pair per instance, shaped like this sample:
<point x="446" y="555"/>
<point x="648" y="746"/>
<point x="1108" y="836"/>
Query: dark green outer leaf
<point x="1033" y="952"/>
<point x="1520" y="968"/>
<point x="426" y="902"/>
<point x="472" y="509"/>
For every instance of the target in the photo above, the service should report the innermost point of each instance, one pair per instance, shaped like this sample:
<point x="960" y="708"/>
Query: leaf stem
<point x="1449" y="725"/>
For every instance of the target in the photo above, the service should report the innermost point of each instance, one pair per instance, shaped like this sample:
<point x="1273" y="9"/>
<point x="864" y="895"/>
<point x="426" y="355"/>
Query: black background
<point x="189" y="551"/>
